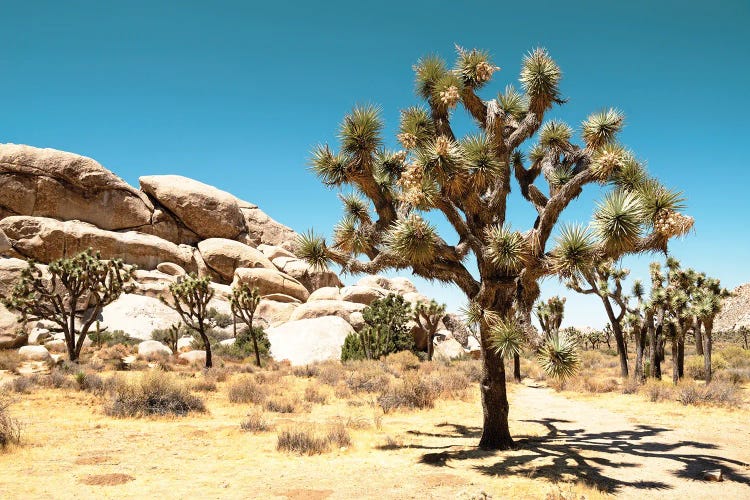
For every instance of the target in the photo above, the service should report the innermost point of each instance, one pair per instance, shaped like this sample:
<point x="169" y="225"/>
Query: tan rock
<point x="310" y="277"/>
<point x="261" y="229"/>
<point x="325" y="293"/>
<point x="309" y="340"/>
<point x="449" y="349"/>
<point x="153" y="349"/>
<point x="398" y="284"/>
<point x="171" y="269"/>
<point x="275" y="313"/>
<point x="45" y="240"/>
<point x="320" y="308"/>
<point x="224" y="256"/>
<point x="34" y="353"/>
<point x="269" y="281"/>
<point x="204" y="209"/>
<point x="272" y="251"/>
<point x="5" y="246"/>
<point x="280" y="297"/>
<point x="194" y="357"/>
<point x="10" y="273"/>
<point x="362" y="294"/>
<point x="51" y="183"/>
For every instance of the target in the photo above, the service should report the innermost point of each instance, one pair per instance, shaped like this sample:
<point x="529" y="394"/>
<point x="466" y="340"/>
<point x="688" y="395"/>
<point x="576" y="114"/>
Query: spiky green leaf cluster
<point x="442" y="158"/>
<point x="481" y="160"/>
<point x="601" y="128"/>
<point x="475" y="67"/>
<point x="360" y="131"/>
<point x="506" y="249"/>
<point x="513" y="102"/>
<point x="608" y="160"/>
<point x="329" y="167"/>
<point x="558" y="356"/>
<point x="555" y="134"/>
<point x="312" y="249"/>
<point x="655" y="198"/>
<point x="413" y="239"/>
<point x="618" y="220"/>
<point x="428" y="71"/>
<point x="507" y="338"/>
<point x="574" y="252"/>
<point x="416" y="126"/>
<point x="540" y="78"/>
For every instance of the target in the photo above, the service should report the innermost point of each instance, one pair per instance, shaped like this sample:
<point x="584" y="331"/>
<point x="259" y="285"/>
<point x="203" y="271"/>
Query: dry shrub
<point x="366" y="376"/>
<point x="403" y="361"/>
<point x="283" y="404"/>
<point x="9" y="359"/>
<point x="657" y="390"/>
<point x="695" y="367"/>
<point x="597" y="385"/>
<point x="155" y="393"/>
<point x="56" y="380"/>
<point x="471" y="368"/>
<point x="331" y="373"/>
<point x="630" y="386"/>
<point x="307" y="371"/>
<point x="21" y="384"/>
<point x="307" y="441"/>
<point x="734" y="375"/>
<point x="451" y="382"/>
<point x="314" y="395"/>
<point x="269" y="378"/>
<point x="342" y="391"/>
<point x="247" y="390"/>
<point x="734" y="356"/>
<point x="718" y="393"/>
<point x="10" y="428"/>
<point x="217" y="374"/>
<point x="90" y="382"/>
<point x="412" y="392"/>
<point x="256" y="422"/>
<point x="204" y="384"/>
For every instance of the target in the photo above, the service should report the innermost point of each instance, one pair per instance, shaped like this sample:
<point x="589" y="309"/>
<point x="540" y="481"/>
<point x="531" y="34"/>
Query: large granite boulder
<point x="224" y="256"/>
<point x="51" y="183"/>
<point x="44" y="240"/>
<point x="269" y="281"/>
<point x="153" y="349"/>
<point x="262" y="229"/>
<point x="204" y="209"/>
<point x="34" y="353"/>
<point x="362" y="294"/>
<point x="397" y="284"/>
<point x="309" y="340"/>
<point x="320" y="308"/>
<point x="309" y="276"/>
<point x="138" y="315"/>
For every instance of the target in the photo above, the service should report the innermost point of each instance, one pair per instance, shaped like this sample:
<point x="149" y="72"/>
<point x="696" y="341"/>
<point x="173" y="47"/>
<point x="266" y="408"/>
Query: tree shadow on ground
<point x="587" y="456"/>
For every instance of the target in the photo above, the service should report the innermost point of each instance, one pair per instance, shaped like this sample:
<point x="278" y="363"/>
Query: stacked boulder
<point x="57" y="204"/>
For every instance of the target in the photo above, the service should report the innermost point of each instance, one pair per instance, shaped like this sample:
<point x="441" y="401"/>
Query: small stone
<point x="713" y="475"/>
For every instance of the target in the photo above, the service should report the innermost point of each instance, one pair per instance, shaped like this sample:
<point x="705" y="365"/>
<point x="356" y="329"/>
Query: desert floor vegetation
<point x="404" y="428"/>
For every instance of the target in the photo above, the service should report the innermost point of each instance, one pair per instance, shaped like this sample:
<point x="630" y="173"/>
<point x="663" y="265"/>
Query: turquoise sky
<point x="236" y="94"/>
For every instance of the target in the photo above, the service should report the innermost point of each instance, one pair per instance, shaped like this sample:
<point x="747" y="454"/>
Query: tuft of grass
<point x="10" y="428"/>
<point x="717" y="393"/>
<point x="314" y="395"/>
<point x="283" y="404"/>
<point x="413" y="392"/>
<point x="9" y="360"/>
<point x="256" y="422"/>
<point x="307" y="441"/>
<point x="155" y="393"/>
<point x="307" y="371"/>
<point x="89" y="382"/>
<point x="247" y="390"/>
<point x="21" y="384"/>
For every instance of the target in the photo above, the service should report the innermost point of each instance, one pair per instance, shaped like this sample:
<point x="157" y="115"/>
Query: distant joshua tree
<point x="73" y="288"/>
<point x="190" y="298"/>
<point x="427" y="315"/>
<point x="467" y="180"/>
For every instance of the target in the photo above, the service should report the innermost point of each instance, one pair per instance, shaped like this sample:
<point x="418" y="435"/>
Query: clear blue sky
<point x="236" y="94"/>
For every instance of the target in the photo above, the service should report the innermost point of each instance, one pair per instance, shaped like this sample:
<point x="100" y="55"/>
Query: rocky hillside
<point x="735" y="311"/>
<point x="56" y="204"/>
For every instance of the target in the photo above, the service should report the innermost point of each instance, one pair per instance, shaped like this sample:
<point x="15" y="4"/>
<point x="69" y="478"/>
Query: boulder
<point x="270" y="281"/>
<point x="457" y="326"/>
<point x="194" y="357"/>
<point x="449" y="349"/>
<point x="309" y="276"/>
<point x="56" y="345"/>
<point x="362" y="294"/>
<point x="51" y="183"/>
<point x="45" y="240"/>
<point x="39" y="336"/>
<point x="273" y="312"/>
<point x="138" y="316"/>
<point x="261" y="229"/>
<point x="309" y="340"/>
<point x="10" y="272"/>
<point x="325" y="293"/>
<point x="273" y="252"/>
<point x="13" y="341"/>
<point x="184" y="344"/>
<point x="171" y="269"/>
<point x="320" y="308"/>
<point x="150" y="349"/>
<point x="280" y="297"/>
<point x="204" y="209"/>
<point x="34" y="353"/>
<point x="224" y="256"/>
<point x="8" y="322"/>
<point x="473" y="347"/>
<point x="397" y="285"/>
<point x="357" y="320"/>
<point x="228" y="342"/>
<point x="5" y="246"/>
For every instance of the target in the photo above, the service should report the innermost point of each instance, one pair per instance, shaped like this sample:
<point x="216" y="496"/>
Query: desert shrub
<point x="451" y="383"/>
<point x="385" y="330"/>
<point x="247" y="390"/>
<point x="402" y="361"/>
<point x="717" y="393"/>
<point x="214" y="337"/>
<point x="204" y="385"/>
<point x="306" y="441"/>
<point x="734" y="375"/>
<point x="21" y="384"/>
<point x="412" y="392"/>
<point x="331" y="373"/>
<point x="282" y="404"/>
<point x="734" y="356"/>
<point x="89" y="382"/>
<point x="597" y="386"/>
<point x="366" y="376"/>
<point x="112" y="338"/>
<point x="256" y="422"/>
<point x="10" y="428"/>
<point x="9" y="360"/>
<point x="314" y="395"/>
<point x="342" y="391"/>
<point x="155" y="393"/>
<point x="219" y="319"/>
<point x="217" y="374"/>
<point x="243" y="346"/>
<point x="695" y="367"/>
<point x="630" y="386"/>
<point x="657" y="390"/>
<point x="307" y="371"/>
<point x="56" y="380"/>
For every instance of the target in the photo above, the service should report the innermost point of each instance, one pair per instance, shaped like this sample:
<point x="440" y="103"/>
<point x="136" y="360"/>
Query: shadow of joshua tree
<point x="587" y="456"/>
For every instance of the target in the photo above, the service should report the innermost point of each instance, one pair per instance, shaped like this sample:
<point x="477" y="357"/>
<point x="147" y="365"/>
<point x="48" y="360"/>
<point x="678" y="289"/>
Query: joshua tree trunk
<point x="255" y="346"/>
<point x="675" y="367"/>
<point x="517" y="368"/>
<point x="708" y="344"/>
<point x="430" y="346"/>
<point x="698" y="339"/>
<point x="640" y="345"/>
<point x="206" y="343"/>
<point x="622" y="351"/>
<point x="656" y="338"/>
<point x="681" y="357"/>
<point x="495" y="431"/>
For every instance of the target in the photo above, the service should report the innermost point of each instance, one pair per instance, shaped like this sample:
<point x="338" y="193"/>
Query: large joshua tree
<point x="467" y="180"/>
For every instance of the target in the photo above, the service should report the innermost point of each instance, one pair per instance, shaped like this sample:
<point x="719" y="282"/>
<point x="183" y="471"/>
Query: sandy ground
<point x="568" y="446"/>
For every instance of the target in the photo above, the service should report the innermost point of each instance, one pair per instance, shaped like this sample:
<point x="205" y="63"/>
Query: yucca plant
<point x="467" y="181"/>
<point x="244" y="300"/>
<point x="190" y="298"/>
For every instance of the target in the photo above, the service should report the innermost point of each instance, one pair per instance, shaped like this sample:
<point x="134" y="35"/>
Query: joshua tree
<point x="75" y="287"/>
<point x="550" y="315"/>
<point x="427" y="315"/>
<point x="468" y="182"/>
<point x="244" y="301"/>
<point x="605" y="281"/>
<point x="706" y="306"/>
<point x="639" y="320"/>
<point x="190" y="298"/>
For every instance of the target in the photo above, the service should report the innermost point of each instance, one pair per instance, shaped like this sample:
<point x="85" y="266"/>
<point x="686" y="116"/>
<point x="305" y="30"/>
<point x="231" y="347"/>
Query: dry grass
<point x="10" y="427"/>
<point x="309" y="441"/>
<point x="256" y="422"/>
<point x="154" y="393"/>
<point x="247" y="389"/>
<point x="9" y="359"/>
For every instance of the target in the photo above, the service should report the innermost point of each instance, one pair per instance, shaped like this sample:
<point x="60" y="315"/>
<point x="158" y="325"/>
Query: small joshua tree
<point x="190" y="298"/>
<point x="707" y="303"/>
<point x="76" y="287"/>
<point x="385" y="330"/>
<point x="467" y="180"/>
<point x="244" y="301"/>
<point x="427" y="315"/>
<point x="550" y="315"/>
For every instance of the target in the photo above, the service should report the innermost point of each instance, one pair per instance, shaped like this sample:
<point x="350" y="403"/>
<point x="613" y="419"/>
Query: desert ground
<point x="571" y="443"/>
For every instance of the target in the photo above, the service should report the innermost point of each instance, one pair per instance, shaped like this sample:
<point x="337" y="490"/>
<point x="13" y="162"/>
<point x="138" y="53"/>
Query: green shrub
<point x="385" y="330"/>
<point x="155" y="393"/>
<point x="112" y="338"/>
<point x="243" y="347"/>
<point x="219" y="319"/>
<point x="89" y="382"/>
